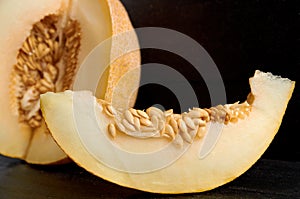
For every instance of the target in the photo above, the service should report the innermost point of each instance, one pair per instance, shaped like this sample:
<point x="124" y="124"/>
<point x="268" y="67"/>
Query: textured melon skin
<point x="97" y="24"/>
<point x="239" y="147"/>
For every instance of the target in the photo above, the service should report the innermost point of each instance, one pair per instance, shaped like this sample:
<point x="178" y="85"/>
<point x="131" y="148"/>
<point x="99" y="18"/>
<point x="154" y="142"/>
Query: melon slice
<point x="42" y="45"/>
<point x="163" y="151"/>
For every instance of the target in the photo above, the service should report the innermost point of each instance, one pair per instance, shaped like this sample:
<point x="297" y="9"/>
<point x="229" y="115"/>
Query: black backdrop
<point x="240" y="36"/>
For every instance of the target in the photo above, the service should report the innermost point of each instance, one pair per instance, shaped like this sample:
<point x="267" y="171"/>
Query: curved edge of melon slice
<point x="240" y="145"/>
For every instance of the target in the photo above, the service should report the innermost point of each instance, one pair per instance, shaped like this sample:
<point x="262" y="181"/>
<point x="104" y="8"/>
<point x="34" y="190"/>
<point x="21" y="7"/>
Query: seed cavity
<point x="178" y="128"/>
<point x="47" y="61"/>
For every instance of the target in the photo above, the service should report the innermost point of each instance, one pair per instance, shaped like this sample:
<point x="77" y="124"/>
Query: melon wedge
<point x="80" y="126"/>
<point x="97" y="22"/>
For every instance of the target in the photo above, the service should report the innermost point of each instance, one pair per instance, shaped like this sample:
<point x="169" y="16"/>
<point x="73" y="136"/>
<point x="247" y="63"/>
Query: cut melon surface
<point x="95" y="22"/>
<point x="80" y="125"/>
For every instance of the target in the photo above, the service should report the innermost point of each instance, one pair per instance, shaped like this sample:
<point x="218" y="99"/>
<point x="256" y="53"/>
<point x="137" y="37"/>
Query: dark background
<point x="240" y="36"/>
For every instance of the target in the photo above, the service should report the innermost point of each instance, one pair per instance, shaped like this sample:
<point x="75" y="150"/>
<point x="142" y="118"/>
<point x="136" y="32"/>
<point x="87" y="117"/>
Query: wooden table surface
<point x="266" y="179"/>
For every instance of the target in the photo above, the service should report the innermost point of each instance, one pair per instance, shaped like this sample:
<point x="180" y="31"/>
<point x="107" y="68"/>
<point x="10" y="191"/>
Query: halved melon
<point x="164" y="152"/>
<point x="42" y="45"/>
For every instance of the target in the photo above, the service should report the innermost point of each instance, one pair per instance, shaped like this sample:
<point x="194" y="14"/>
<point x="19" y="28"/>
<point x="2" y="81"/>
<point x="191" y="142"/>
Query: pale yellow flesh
<point x="95" y="17"/>
<point x="238" y="148"/>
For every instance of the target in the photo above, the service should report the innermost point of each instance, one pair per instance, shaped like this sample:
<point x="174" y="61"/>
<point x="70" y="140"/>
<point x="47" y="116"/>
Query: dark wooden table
<point x="266" y="179"/>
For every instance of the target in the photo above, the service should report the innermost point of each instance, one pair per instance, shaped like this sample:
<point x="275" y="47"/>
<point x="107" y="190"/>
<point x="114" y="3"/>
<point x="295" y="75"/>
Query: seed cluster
<point x="230" y="113"/>
<point x="179" y="128"/>
<point x="46" y="62"/>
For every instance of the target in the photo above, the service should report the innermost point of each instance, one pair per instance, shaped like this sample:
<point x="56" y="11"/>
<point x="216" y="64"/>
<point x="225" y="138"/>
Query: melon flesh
<point x="240" y="144"/>
<point x="98" y="23"/>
